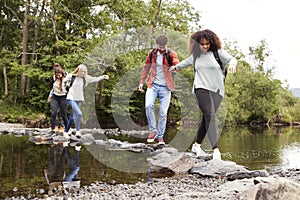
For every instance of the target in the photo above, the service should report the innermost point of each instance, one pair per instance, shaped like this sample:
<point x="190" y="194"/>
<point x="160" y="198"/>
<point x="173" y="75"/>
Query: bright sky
<point x="250" y="21"/>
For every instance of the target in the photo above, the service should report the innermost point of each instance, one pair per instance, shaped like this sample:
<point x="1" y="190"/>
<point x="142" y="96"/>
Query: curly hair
<point x="194" y="47"/>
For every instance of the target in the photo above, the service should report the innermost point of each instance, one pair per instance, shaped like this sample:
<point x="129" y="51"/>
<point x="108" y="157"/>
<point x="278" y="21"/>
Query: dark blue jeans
<point x="58" y="102"/>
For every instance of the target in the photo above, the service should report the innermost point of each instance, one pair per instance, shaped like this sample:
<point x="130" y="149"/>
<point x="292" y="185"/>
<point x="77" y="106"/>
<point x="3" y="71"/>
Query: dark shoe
<point x="52" y="133"/>
<point x="161" y="141"/>
<point x="151" y="136"/>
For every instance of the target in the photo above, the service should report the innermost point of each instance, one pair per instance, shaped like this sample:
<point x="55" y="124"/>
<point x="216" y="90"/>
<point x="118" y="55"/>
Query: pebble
<point x="187" y="187"/>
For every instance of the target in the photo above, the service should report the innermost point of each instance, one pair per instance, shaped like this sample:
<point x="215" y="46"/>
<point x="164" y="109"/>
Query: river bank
<point x="182" y="185"/>
<point x="186" y="187"/>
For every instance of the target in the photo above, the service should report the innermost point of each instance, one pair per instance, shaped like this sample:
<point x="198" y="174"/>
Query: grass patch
<point x="18" y="114"/>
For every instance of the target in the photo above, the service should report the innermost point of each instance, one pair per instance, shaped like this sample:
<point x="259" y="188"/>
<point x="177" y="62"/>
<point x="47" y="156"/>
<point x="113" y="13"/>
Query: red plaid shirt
<point x="151" y="66"/>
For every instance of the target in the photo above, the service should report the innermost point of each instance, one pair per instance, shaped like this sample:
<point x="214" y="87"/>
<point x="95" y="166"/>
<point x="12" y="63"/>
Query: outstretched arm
<point x="91" y="79"/>
<point x="186" y="62"/>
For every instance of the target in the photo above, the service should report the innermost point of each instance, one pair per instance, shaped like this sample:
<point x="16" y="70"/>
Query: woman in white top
<point x="208" y="82"/>
<point x="75" y="95"/>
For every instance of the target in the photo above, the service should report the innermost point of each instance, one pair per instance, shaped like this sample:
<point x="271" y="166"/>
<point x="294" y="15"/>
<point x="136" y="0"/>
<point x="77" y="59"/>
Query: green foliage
<point x="114" y="37"/>
<point x="251" y="96"/>
<point x="259" y="54"/>
<point x="18" y="113"/>
<point x="178" y="16"/>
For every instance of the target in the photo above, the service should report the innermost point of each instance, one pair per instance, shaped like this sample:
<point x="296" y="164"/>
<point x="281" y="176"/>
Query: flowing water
<point x="23" y="163"/>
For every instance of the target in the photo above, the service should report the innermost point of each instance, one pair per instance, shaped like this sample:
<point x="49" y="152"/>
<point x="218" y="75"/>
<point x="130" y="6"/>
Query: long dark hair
<point x="194" y="43"/>
<point x="58" y="70"/>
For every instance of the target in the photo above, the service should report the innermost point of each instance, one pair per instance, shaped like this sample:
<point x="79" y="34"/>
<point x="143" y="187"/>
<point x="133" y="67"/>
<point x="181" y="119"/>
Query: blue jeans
<point x="73" y="165"/>
<point x="75" y="113"/>
<point x="164" y="96"/>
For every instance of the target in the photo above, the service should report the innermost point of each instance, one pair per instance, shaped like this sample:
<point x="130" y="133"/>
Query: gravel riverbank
<point x="178" y="187"/>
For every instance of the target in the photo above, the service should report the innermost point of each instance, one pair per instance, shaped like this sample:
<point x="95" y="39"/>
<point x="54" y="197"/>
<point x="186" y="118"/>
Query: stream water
<point x="23" y="163"/>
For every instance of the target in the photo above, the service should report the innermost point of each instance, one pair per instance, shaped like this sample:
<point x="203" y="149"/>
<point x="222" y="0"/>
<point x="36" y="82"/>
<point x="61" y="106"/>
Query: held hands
<point x="173" y="69"/>
<point x="141" y="88"/>
<point x="106" y="77"/>
<point x="232" y="69"/>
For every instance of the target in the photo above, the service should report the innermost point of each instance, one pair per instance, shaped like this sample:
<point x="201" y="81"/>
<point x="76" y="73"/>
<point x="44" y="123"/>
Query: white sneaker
<point x="78" y="134"/>
<point x="216" y="154"/>
<point x="76" y="137"/>
<point x="197" y="149"/>
<point x="65" y="144"/>
<point x="66" y="135"/>
<point x="77" y="148"/>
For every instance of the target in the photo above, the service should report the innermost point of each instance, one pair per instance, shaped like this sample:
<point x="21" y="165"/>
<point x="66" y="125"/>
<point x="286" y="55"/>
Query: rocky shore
<point x="193" y="178"/>
<point x="179" y="187"/>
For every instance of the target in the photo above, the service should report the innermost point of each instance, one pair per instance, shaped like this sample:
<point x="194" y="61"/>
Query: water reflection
<point x="26" y="166"/>
<point x="54" y="171"/>
<point x="290" y="155"/>
<point x="260" y="148"/>
<point x="60" y="179"/>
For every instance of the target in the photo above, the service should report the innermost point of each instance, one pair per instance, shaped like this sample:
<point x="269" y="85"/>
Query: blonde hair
<point x="79" y="69"/>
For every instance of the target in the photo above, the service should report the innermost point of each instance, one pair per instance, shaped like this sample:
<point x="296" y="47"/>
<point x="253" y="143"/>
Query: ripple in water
<point x="290" y="156"/>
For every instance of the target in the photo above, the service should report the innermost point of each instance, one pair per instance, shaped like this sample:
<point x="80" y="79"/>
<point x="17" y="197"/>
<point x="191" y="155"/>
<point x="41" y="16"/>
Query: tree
<point x="260" y="53"/>
<point x="252" y="94"/>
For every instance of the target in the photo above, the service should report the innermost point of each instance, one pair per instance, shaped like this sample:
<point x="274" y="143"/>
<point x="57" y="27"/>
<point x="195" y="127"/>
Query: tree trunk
<point x="24" y="49"/>
<point x="4" y="69"/>
<point x="5" y="82"/>
<point x="54" y="29"/>
<point x="153" y="26"/>
<point x="34" y="45"/>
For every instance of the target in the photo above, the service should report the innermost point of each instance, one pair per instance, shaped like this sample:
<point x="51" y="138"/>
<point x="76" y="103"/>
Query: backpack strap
<point x="216" y="55"/>
<point x="223" y="68"/>
<point x="167" y="56"/>
<point x="72" y="80"/>
<point x="194" y="61"/>
<point x="84" y="82"/>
